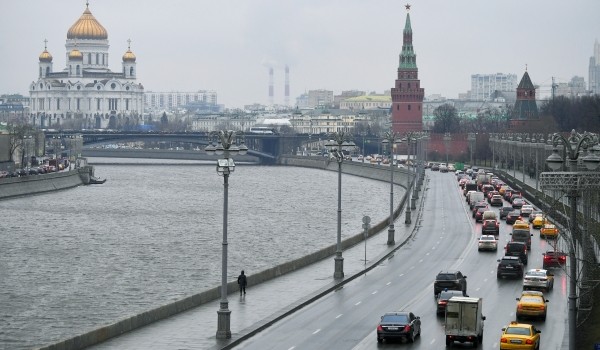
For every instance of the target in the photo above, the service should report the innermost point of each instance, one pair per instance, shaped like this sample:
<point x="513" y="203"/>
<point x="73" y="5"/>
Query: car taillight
<point x="407" y="328"/>
<point x="379" y="328"/>
<point x="528" y="341"/>
<point x="519" y="307"/>
<point x="503" y="340"/>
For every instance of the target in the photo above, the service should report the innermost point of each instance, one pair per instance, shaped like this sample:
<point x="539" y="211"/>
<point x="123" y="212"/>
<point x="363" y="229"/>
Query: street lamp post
<point x="391" y="138"/>
<point x="447" y="139"/>
<point x="225" y="166"/>
<point x="572" y="182"/>
<point x="410" y="138"/>
<point x="339" y="140"/>
<point x="471" y="138"/>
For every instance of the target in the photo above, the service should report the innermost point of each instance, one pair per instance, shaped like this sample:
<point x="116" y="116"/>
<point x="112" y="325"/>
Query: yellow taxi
<point x="549" y="231"/>
<point x="520" y="336"/>
<point x="503" y="189"/>
<point x="539" y="222"/>
<point x="531" y="304"/>
<point x="520" y="225"/>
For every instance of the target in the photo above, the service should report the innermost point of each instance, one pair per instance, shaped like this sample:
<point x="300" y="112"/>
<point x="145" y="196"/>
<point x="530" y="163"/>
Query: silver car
<point x="487" y="242"/>
<point x="538" y="279"/>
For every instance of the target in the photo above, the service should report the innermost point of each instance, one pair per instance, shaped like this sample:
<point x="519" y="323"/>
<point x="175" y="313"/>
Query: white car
<point x="487" y="242"/>
<point x="538" y="279"/>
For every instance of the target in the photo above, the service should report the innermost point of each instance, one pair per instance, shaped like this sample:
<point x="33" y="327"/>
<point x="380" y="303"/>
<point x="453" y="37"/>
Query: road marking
<point x="427" y="254"/>
<point x="387" y="284"/>
<point x="358" y="303"/>
<point x="317" y="331"/>
<point x="375" y="292"/>
<point x="432" y="341"/>
<point x="412" y="267"/>
<point x="477" y="290"/>
<point x="292" y="348"/>
<point x="421" y="260"/>
<point x="400" y="275"/>
<point x="338" y="316"/>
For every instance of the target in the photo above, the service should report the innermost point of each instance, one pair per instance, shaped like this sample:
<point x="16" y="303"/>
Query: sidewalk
<point x="265" y="303"/>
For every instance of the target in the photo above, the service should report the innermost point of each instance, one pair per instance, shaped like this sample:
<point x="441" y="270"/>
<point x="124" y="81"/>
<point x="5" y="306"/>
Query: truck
<point x="464" y="320"/>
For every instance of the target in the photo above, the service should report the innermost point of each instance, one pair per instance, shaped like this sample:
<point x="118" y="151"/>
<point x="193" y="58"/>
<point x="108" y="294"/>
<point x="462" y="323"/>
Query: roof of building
<point x="370" y="98"/>
<point x="87" y="27"/>
<point x="526" y="82"/>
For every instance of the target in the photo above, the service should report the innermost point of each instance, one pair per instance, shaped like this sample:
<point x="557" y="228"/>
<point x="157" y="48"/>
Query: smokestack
<point x="271" y="86"/>
<point x="287" y="85"/>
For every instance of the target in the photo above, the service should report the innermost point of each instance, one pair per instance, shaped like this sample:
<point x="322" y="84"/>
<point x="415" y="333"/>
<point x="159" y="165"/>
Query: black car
<point x="518" y="249"/>
<point x="450" y="280"/>
<point x="444" y="296"/>
<point x="513" y="216"/>
<point x="478" y="206"/>
<point x="490" y="227"/>
<point x="504" y="211"/>
<point x="399" y="325"/>
<point x="479" y="214"/>
<point x="510" y="266"/>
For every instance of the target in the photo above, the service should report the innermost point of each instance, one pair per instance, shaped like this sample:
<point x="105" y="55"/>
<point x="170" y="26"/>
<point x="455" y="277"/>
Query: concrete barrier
<point x="137" y="321"/>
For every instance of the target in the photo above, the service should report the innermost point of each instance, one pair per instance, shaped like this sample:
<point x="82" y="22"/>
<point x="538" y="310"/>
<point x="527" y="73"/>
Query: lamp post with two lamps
<point x="338" y="141"/>
<point x="391" y="138"/>
<point x="410" y="139"/>
<point x="572" y="182"/>
<point x="225" y="166"/>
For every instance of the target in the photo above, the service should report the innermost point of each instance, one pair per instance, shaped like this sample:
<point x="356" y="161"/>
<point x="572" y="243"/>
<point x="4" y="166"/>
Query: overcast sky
<point x="228" y="45"/>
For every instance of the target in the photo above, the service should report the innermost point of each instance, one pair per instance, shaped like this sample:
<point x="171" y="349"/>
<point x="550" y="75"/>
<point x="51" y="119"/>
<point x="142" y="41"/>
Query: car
<point x="487" y="242"/>
<point x="503" y="189"/>
<point x="490" y="194"/>
<point x="496" y="200"/>
<point x="538" y="279"/>
<point x="398" y="325"/>
<point x="435" y="167"/>
<point x="510" y="266"/>
<point x="549" y="231"/>
<point x="504" y="211"/>
<point x="517" y="203"/>
<point x="513" y="216"/>
<point x="444" y="296"/>
<point x="518" y="249"/>
<point x="479" y="205"/>
<point x="490" y="226"/>
<point x="554" y="258"/>
<point x="450" y="280"/>
<point x="520" y="336"/>
<point x="443" y="169"/>
<point x="468" y="195"/>
<point x="535" y="214"/>
<point x="531" y="305"/>
<point x="479" y="214"/>
<point x="526" y="210"/>
<point x="462" y="182"/>
<point x="538" y="222"/>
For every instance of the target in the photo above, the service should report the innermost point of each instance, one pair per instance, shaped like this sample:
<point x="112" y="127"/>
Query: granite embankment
<point x="36" y="184"/>
<point x="366" y="170"/>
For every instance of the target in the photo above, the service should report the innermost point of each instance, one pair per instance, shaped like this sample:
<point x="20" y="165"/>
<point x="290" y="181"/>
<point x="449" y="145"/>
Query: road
<point x="446" y="240"/>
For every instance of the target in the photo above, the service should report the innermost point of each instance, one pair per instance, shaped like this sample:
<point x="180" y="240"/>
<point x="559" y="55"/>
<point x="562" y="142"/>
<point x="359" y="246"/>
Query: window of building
<point x="409" y="107"/>
<point x="77" y="70"/>
<point x="78" y="104"/>
<point x="58" y="103"/>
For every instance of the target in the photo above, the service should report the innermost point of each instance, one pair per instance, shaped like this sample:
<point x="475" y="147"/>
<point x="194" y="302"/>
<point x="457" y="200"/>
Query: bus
<point x="261" y="130"/>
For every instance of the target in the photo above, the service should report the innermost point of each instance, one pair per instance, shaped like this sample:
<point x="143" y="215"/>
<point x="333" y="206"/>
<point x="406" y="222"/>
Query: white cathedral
<point x="86" y="94"/>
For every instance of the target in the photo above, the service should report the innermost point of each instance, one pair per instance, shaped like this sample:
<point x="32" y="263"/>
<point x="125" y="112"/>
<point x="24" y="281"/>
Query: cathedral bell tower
<point x="407" y="94"/>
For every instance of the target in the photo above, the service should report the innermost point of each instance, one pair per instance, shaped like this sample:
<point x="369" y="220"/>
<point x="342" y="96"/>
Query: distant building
<point x="172" y="101"/>
<point x="576" y="87"/>
<point x="483" y="86"/>
<point x="86" y="92"/>
<point x="367" y="102"/>
<point x="594" y="70"/>
<point x="337" y="99"/>
<point x="407" y="93"/>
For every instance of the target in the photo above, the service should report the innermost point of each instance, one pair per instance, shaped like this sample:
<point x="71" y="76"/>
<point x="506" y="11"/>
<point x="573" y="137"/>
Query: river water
<point x="72" y="261"/>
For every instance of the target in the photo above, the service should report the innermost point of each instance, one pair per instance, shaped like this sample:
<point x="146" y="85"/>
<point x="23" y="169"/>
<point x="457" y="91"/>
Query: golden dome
<point x="45" y="56"/>
<point x="75" y="55"/>
<point x="129" y="56"/>
<point x="87" y="27"/>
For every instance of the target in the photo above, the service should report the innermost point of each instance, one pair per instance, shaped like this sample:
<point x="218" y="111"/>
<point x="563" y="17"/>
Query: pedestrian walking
<point x="242" y="282"/>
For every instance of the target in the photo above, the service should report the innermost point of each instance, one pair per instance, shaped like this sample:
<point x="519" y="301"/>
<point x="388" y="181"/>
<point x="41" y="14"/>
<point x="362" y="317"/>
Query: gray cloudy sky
<point x="227" y="45"/>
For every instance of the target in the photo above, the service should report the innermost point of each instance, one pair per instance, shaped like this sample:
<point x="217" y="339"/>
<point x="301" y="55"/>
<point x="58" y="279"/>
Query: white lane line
<point x="432" y="341"/>
<point x="421" y="260"/>
<point x="338" y="316"/>
<point x="427" y="254"/>
<point x="374" y="292"/>
<point x="387" y="284"/>
<point x="358" y="303"/>
<point x="292" y="348"/>
<point x="317" y="331"/>
<point x="477" y="290"/>
<point x="412" y="267"/>
<point x="400" y="275"/>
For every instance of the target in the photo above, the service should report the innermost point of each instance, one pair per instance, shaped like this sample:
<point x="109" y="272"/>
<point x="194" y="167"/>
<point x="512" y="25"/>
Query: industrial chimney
<point x="287" y="85"/>
<point x="271" y="102"/>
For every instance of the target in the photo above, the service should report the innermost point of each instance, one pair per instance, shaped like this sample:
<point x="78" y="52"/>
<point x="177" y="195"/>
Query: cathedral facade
<point x="86" y="94"/>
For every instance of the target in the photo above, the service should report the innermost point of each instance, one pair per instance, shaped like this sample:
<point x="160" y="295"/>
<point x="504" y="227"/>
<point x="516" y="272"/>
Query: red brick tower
<point x="407" y="94"/>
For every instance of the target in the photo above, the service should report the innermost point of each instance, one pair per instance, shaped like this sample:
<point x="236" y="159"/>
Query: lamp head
<point x="219" y="150"/>
<point x="242" y="149"/>
<point x="592" y="160"/>
<point x="554" y="161"/>
<point x="210" y="149"/>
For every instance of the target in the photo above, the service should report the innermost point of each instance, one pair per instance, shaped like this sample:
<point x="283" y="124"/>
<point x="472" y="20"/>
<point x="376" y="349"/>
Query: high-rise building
<point x="594" y="70"/>
<point x="86" y="92"/>
<point x="407" y="94"/>
<point x="483" y="86"/>
<point x="171" y="101"/>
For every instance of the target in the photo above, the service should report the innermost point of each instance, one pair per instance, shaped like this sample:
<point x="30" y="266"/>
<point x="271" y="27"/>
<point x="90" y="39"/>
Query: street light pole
<point x="471" y="138"/>
<point x="447" y="139"/>
<point x="391" y="138"/>
<point x="572" y="182"/>
<point x="338" y="141"/>
<point x="409" y="139"/>
<point x="225" y="166"/>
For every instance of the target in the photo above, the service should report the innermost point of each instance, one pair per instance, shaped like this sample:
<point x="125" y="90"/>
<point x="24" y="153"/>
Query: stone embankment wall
<point x="35" y="184"/>
<point x="366" y="170"/>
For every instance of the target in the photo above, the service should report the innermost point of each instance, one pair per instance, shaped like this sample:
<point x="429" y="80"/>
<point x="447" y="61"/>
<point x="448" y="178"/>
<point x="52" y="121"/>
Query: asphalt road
<point x="446" y="240"/>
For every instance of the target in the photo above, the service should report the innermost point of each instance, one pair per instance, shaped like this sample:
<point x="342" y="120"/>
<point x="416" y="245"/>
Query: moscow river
<point x="75" y="260"/>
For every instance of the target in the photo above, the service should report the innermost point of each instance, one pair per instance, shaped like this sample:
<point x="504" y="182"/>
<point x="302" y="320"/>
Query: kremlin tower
<point x="407" y="94"/>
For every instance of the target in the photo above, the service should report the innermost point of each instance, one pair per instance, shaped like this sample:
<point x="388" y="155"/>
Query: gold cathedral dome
<point x="75" y="54"/>
<point x="45" y="56"/>
<point x="128" y="56"/>
<point x="87" y="27"/>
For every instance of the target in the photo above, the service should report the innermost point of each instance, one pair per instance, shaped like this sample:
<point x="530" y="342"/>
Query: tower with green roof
<point x="407" y="94"/>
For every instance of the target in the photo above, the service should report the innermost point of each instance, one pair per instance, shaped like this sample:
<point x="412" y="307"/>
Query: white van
<point x="475" y="197"/>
